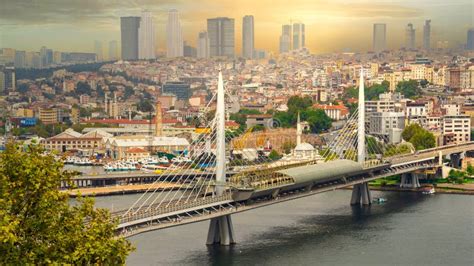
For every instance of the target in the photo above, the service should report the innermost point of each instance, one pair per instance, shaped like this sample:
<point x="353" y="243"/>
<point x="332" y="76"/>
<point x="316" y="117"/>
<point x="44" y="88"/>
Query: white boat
<point x="153" y="167"/>
<point x="428" y="190"/>
<point x="164" y="160"/>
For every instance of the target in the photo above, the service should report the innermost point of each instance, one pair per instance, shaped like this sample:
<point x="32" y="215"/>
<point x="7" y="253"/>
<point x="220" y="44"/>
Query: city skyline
<point x="338" y="26"/>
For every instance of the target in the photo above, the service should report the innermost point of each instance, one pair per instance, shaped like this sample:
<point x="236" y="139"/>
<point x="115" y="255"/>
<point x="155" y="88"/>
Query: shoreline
<point x="438" y="190"/>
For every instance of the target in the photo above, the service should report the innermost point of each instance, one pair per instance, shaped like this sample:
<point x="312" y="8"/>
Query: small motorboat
<point x="379" y="200"/>
<point x="428" y="190"/>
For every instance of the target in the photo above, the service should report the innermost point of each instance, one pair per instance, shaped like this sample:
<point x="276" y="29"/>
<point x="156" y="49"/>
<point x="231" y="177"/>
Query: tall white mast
<point x="361" y="121"/>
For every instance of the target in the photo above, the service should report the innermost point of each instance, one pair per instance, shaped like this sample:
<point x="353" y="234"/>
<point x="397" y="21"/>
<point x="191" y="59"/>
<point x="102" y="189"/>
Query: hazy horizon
<point x="342" y="25"/>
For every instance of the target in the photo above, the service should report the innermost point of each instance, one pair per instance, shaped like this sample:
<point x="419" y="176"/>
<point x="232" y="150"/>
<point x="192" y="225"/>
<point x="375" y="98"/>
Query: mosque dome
<point x="304" y="147"/>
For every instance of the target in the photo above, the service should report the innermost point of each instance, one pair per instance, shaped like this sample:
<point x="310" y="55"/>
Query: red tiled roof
<point x="126" y="121"/>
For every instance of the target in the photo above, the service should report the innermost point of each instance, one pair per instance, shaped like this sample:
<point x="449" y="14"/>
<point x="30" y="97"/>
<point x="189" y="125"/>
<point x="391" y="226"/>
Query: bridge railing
<point x="174" y="208"/>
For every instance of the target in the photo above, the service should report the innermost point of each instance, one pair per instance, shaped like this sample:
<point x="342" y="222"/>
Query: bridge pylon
<point x="361" y="194"/>
<point x="221" y="230"/>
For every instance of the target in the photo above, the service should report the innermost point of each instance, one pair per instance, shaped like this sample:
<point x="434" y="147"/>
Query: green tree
<point x="287" y="146"/>
<point x="274" y="155"/>
<point x="423" y="140"/>
<point x="410" y="131"/>
<point x="297" y="104"/>
<point x="38" y="226"/>
<point x="470" y="170"/>
<point x="83" y="88"/>
<point x="317" y="120"/>
<point x="23" y="88"/>
<point x="409" y="89"/>
<point x="128" y="92"/>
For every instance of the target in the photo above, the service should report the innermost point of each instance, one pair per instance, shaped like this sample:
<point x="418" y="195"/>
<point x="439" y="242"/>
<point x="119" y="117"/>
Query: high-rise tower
<point x="221" y="36"/>
<point x="248" y="37"/>
<point x="410" y="37"/>
<point x="285" y="39"/>
<point x="470" y="39"/>
<point x="427" y="35"/>
<point x="129" y="37"/>
<point x="298" y="36"/>
<point x="380" y="37"/>
<point x="203" y="45"/>
<point x="174" y="35"/>
<point x="146" y="36"/>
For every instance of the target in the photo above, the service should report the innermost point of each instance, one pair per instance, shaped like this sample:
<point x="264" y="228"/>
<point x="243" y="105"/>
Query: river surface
<point x="409" y="229"/>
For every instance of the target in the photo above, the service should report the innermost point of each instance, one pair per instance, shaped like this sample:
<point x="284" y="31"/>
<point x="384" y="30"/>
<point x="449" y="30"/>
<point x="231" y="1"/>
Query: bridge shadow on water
<point x="312" y="230"/>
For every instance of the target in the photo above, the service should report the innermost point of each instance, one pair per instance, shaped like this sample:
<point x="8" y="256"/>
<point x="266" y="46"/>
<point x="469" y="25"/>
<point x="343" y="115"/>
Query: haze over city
<point x="342" y="25"/>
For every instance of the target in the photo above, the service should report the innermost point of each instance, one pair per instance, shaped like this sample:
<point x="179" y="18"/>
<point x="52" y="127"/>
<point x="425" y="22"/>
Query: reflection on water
<point x="409" y="229"/>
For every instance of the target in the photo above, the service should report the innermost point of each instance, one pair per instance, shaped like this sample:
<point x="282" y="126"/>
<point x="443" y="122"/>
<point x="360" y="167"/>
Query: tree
<point x="83" y="88"/>
<point x="274" y="155"/>
<point x="317" y="120"/>
<point x="410" y="131"/>
<point x="423" y="140"/>
<point x="38" y="226"/>
<point x="23" y="88"/>
<point x="128" y="92"/>
<point x="470" y="169"/>
<point x="409" y="89"/>
<point x="287" y="146"/>
<point x="297" y="104"/>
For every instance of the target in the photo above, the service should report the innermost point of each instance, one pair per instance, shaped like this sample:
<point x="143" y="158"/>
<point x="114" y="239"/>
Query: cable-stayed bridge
<point x="222" y="189"/>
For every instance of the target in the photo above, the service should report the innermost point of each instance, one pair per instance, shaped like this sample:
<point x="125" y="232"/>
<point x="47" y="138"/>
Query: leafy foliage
<point x="83" y="88"/>
<point x="371" y="92"/>
<point x="274" y="155"/>
<point x="419" y="137"/>
<point x="409" y="89"/>
<point x="38" y="226"/>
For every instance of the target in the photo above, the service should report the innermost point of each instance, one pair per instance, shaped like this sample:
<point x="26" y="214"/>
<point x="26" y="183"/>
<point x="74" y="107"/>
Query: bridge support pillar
<point x="221" y="231"/>
<point x="456" y="160"/>
<point x="361" y="194"/>
<point x="410" y="181"/>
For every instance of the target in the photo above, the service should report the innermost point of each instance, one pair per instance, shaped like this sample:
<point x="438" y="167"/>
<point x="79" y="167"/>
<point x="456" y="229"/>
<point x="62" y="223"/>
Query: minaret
<point x="298" y="131"/>
<point x="361" y="121"/>
<point x="158" y="121"/>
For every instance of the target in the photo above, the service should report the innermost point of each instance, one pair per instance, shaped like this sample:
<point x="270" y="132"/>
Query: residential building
<point x="248" y="46"/>
<point x="180" y="89"/>
<point x="264" y="120"/>
<point x="174" y="35"/>
<point x="129" y="27"/>
<point x="456" y="129"/>
<point x="221" y="36"/>
<point x="335" y="112"/>
<point x="48" y="115"/>
<point x="416" y="109"/>
<point x="387" y="124"/>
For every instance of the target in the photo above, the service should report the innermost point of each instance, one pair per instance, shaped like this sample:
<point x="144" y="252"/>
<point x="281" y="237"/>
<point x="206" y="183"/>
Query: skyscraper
<point x="248" y="37"/>
<point x="174" y="33"/>
<point x="380" y="37"/>
<point x="20" y="59"/>
<point x="427" y="35"/>
<point x="113" y="50"/>
<point x="146" y="36"/>
<point x="98" y="50"/>
<point x="470" y="39"/>
<point x="221" y="36"/>
<point x="129" y="37"/>
<point x="285" y="39"/>
<point x="203" y="45"/>
<point x="298" y="36"/>
<point x="410" y="37"/>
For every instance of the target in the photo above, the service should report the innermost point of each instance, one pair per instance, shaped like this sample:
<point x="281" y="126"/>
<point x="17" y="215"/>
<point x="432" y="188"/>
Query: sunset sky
<point x="337" y="25"/>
